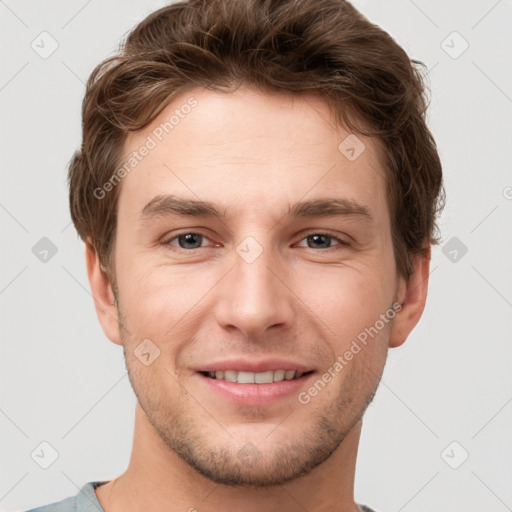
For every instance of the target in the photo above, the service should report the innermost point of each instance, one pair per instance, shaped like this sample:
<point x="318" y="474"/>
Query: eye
<point x="191" y="240"/>
<point x="187" y="240"/>
<point x="323" y="239"/>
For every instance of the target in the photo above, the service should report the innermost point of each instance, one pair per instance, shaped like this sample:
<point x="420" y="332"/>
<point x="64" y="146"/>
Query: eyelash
<point x="342" y="243"/>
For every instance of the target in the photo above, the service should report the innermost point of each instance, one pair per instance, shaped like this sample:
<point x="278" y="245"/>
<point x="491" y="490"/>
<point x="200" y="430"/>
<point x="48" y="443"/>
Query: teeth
<point x="279" y="375"/>
<point x="245" y="377"/>
<point x="264" y="377"/>
<point x="230" y="375"/>
<point x="255" y="378"/>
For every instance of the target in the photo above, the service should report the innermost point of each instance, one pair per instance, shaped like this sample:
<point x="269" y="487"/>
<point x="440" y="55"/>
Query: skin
<point x="252" y="154"/>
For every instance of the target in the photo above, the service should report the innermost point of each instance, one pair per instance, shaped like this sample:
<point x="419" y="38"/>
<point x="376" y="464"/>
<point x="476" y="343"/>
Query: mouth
<point x="268" y="383"/>
<point x="245" y="377"/>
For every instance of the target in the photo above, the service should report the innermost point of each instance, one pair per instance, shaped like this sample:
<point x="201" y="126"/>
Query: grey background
<point x="64" y="383"/>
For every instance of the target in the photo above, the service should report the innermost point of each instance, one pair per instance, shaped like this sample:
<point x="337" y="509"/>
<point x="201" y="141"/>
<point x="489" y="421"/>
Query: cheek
<point x="346" y="299"/>
<point x="161" y="302"/>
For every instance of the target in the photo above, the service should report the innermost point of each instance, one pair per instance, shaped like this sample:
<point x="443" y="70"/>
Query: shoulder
<point x="365" y="508"/>
<point x="84" y="501"/>
<point x="66" y="505"/>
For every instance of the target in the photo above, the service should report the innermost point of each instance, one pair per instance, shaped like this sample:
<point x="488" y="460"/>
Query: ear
<point x="103" y="296"/>
<point x="412" y="294"/>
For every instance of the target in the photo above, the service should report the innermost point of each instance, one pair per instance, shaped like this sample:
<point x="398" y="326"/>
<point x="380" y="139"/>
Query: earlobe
<point x="104" y="300"/>
<point x="412" y="296"/>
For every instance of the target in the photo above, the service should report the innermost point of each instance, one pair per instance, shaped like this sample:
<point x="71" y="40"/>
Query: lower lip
<point x="255" y="394"/>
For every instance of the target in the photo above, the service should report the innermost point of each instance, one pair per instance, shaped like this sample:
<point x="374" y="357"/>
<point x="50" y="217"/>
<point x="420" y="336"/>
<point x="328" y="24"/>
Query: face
<point x="236" y="309"/>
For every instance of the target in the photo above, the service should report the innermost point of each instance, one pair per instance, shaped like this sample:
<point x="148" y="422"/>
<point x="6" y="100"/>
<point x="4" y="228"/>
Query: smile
<point x="243" y="377"/>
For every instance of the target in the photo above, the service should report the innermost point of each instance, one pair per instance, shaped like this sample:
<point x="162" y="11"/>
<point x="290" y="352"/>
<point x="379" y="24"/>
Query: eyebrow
<point x="161" y="206"/>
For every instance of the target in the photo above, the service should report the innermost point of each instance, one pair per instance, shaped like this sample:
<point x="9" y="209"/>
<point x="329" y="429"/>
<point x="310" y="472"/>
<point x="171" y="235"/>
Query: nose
<point x="255" y="296"/>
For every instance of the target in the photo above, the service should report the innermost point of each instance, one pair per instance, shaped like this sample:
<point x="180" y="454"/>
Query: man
<point x="286" y="142"/>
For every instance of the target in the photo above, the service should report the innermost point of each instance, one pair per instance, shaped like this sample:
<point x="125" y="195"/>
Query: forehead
<point x="249" y="151"/>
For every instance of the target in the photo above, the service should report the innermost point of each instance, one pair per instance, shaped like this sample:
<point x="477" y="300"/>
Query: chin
<point x="269" y="462"/>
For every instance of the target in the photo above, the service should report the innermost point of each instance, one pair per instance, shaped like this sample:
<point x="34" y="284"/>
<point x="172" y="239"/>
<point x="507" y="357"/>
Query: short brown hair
<point x="324" y="47"/>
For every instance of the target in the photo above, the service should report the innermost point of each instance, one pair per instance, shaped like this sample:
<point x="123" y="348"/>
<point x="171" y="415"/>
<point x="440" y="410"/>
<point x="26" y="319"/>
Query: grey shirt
<point x="86" y="501"/>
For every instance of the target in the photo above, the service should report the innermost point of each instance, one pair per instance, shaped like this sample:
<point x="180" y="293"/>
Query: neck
<point x="157" y="479"/>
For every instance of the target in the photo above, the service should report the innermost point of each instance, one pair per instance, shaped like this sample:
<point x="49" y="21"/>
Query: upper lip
<point x="245" y="365"/>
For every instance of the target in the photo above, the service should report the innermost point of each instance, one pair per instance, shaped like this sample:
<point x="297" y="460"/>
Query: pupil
<point x="189" y="239"/>
<point x="317" y="237"/>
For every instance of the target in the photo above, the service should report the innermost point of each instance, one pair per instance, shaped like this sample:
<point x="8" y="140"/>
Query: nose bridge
<point x="253" y="298"/>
